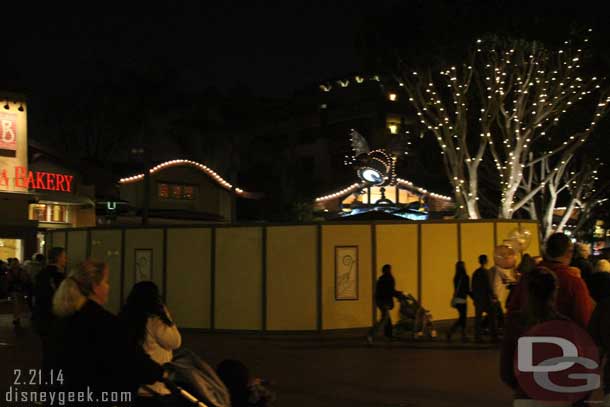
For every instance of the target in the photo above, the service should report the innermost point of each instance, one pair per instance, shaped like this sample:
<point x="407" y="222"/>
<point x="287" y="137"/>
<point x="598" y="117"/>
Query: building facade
<point x="38" y="191"/>
<point x="179" y="191"/>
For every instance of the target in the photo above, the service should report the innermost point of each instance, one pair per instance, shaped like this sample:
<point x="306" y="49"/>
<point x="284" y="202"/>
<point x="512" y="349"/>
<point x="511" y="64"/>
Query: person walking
<point x="17" y="284"/>
<point x="581" y="261"/>
<point x="33" y="267"/>
<point x="461" y="290"/>
<point x="483" y="298"/>
<point x="572" y="298"/>
<point x="385" y="291"/>
<point x="46" y="283"/>
<point x="37" y="264"/>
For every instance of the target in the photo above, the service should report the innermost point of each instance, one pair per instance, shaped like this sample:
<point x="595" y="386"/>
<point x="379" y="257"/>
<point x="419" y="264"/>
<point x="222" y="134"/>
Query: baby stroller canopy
<point x="188" y="371"/>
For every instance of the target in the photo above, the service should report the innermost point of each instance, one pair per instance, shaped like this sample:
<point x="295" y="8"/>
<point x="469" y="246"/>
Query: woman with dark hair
<point x="461" y="290"/>
<point x="151" y="329"/>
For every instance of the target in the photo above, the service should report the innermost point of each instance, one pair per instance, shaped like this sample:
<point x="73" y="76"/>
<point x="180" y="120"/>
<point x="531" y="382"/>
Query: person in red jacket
<point x="573" y="299"/>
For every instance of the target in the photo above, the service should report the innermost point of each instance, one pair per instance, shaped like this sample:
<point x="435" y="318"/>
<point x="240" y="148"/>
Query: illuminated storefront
<point x="37" y="191"/>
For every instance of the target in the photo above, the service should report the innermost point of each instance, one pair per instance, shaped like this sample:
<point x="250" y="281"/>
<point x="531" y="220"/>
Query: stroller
<point x="193" y="382"/>
<point x="415" y="321"/>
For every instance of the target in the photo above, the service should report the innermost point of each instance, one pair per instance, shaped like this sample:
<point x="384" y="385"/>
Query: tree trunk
<point x="472" y="202"/>
<point x="547" y="219"/>
<point x="472" y="205"/>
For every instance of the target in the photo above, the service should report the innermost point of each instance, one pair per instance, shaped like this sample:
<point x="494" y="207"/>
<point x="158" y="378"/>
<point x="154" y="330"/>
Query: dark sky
<point x="272" y="48"/>
<point x="101" y="52"/>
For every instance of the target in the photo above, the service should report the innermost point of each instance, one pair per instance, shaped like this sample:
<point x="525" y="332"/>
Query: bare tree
<point x="509" y="97"/>
<point x="570" y="190"/>
<point x="443" y="104"/>
<point x="533" y="89"/>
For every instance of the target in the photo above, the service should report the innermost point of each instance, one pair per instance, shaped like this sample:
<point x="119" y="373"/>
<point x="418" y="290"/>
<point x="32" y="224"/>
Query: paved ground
<point x="327" y="370"/>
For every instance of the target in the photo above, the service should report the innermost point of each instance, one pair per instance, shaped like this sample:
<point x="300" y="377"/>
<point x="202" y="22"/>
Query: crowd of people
<point x="127" y="353"/>
<point x="17" y="283"/>
<point x="565" y="285"/>
<point x="131" y="352"/>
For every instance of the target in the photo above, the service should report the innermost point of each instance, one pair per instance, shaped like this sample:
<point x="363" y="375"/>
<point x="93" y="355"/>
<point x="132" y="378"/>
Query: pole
<point x="146" y="202"/>
<point x="146" y="197"/>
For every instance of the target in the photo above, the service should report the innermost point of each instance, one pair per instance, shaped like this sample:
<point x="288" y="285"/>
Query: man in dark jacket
<point x="483" y="297"/>
<point x="384" y="299"/>
<point x="46" y="283"/>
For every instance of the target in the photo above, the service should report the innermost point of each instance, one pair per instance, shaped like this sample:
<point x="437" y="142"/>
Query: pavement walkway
<point x="327" y="370"/>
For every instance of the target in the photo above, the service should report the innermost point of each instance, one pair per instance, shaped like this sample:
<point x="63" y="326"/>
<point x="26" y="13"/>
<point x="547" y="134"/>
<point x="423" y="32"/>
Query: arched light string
<point x="345" y="82"/>
<point x="356" y="186"/>
<point x="174" y="163"/>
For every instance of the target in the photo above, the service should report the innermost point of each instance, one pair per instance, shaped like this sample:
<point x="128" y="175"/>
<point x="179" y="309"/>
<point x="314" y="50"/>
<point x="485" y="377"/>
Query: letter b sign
<point x="8" y="131"/>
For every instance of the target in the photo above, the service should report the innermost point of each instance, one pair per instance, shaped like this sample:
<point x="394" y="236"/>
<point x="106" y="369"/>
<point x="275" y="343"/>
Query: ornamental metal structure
<point x="379" y="191"/>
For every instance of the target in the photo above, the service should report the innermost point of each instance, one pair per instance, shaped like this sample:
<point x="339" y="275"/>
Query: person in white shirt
<point x="151" y="327"/>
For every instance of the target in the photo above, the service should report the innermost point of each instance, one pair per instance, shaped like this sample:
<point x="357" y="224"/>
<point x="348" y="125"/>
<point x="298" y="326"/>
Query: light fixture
<point x="371" y="175"/>
<point x="6" y="105"/>
<point x="393" y="128"/>
<point x="21" y="108"/>
<point x="392" y="97"/>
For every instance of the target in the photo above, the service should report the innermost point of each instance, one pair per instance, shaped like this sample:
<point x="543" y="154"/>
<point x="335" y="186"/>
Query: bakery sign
<point x="20" y="177"/>
<point x="8" y="131"/>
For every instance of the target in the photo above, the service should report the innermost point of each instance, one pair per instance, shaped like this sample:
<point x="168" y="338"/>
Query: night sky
<point x="272" y="47"/>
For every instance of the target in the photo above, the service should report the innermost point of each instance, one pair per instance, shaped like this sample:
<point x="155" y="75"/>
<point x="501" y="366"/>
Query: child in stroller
<point x="415" y="321"/>
<point x="193" y="382"/>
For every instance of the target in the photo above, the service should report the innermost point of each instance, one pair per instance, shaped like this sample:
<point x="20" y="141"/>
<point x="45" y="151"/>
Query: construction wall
<point x="288" y="278"/>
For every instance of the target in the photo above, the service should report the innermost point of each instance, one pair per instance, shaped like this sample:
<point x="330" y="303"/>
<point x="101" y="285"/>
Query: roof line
<point x="357" y="185"/>
<point x="206" y="170"/>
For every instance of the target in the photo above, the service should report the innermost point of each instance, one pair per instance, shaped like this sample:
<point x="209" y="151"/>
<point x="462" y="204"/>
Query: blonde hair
<point x="602" y="265"/>
<point x="74" y="290"/>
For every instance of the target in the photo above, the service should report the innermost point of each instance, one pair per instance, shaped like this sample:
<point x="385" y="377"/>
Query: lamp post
<point x="141" y="156"/>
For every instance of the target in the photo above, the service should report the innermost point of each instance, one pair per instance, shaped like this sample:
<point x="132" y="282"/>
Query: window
<point x="394" y="124"/>
<point x="53" y="213"/>
<point x="163" y="191"/>
<point x="176" y="191"/>
<point x="188" y="192"/>
<point x="38" y="212"/>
